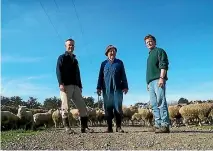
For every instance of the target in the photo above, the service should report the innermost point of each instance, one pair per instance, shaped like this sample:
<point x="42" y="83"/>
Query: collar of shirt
<point x="70" y="54"/>
<point x="111" y="61"/>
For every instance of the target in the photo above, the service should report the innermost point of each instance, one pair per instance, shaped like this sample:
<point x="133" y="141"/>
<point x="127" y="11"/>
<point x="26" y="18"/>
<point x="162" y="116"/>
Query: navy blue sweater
<point x="67" y="70"/>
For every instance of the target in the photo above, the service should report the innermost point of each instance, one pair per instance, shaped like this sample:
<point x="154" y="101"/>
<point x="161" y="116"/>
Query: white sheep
<point x="100" y="115"/>
<point x="25" y="118"/>
<point x="196" y="112"/>
<point x="146" y="116"/>
<point x="75" y="117"/>
<point x="175" y="115"/>
<point x="91" y="115"/>
<point x="9" y="120"/>
<point x="57" y="118"/>
<point x="43" y="119"/>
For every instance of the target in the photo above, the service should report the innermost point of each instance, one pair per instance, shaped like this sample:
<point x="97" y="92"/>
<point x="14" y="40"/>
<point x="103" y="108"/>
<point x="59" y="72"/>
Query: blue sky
<point x="31" y="45"/>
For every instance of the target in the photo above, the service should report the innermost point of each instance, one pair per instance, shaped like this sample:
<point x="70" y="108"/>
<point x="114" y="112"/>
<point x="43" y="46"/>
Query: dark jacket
<point x="67" y="70"/>
<point x="119" y="75"/>
<point x="156" y="61"/>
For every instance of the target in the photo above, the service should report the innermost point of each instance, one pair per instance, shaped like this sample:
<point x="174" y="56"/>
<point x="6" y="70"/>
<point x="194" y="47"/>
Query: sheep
<point x="91" y="115"/>
<point x="57" y="118"/>
<point x="204" y="109"/>
<point x="136" y="117"/>
<point x="75" y="116"/>
<point x="100" y="115"/>
<point x="43" y="119"/>
<point x="146" y="116"/>
<point x="9" y="120"/>
<point x="174" y="114"/>
<point x="128" y="112"/>
<point x="12" y="109"/>
<point x="34" y="111"/>
<point x="195" y="112"/>
<point x="25" y="118"/>
<point x="210" y="117"/>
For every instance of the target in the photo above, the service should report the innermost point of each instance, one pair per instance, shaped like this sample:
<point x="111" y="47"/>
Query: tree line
<point x="54" y="102"/>
<point x="49" y="103"/>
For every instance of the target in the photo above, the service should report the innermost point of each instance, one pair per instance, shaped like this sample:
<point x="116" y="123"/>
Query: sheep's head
<point x="21" y="109"/>
<point x="50" y="111"/>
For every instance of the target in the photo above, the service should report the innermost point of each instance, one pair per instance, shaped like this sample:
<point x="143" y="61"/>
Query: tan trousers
<point x="72" y="92"/>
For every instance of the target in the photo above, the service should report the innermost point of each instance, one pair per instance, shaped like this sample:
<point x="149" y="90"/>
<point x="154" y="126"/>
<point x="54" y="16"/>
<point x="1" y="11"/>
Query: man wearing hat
<point x="112" y="82"/>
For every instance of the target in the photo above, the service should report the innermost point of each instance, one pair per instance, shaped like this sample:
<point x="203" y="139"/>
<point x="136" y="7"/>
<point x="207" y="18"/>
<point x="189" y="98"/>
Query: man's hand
<point x="61" y="87"/>
<point x="161" y="82"/>
<point x="147" y="87"/>
<point x="125" y="91"/>
<point x="99" y="92"/>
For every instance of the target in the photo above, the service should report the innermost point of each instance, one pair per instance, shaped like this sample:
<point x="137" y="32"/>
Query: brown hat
<point x="110" y="47"/>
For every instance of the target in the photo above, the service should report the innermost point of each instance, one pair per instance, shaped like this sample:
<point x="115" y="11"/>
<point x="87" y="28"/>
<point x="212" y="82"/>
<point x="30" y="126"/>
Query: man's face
<point x="69" y="45"/>
<point x="111" y="53"/>
<point x="150" y="43"/>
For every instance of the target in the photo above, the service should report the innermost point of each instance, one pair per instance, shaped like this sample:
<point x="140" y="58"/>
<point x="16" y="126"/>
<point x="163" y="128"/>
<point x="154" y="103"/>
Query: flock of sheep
<point x="201" y="113"/>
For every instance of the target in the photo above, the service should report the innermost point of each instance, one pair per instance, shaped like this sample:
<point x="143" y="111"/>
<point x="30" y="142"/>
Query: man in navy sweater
<point x="69" y="80"/>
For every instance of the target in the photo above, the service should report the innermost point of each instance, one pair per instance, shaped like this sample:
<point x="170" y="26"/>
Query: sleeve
<point x="101" y="77"/>
<point x="58" y="70"/>
<point x="123" y="77"/>
<point x="78" y="75"/>
<point x="163" y="60"/>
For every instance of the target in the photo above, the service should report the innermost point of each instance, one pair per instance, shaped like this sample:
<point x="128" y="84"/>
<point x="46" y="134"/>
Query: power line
<point x="56" y="5"/>
<point x="81" y="28"/>
<point x="79" y="22"/>
<point x="82" y="32"/>
<point x="50" y="20"/>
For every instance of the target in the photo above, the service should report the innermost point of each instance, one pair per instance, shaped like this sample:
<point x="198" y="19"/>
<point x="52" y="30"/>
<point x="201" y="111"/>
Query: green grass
<point x="7" y="136"/>
<point x="205" y="127"/>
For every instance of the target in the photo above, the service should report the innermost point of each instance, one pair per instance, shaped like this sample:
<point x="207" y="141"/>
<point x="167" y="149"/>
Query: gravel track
<point x="133" y="138"/>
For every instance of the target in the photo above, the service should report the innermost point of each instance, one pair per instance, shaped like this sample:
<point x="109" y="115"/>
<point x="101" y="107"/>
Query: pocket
<point x="106" y="70"/>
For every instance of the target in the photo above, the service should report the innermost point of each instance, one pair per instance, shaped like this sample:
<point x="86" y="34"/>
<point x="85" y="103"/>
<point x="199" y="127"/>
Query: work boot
<point x="118" y="124"/>
<point x="84" y="125"/>
<point x="67" y="126"/>
<point x="153" y="129"/>
<point x="119" y="129"/>
<point x="109" y="126"/>
<point x="163" y="129"/>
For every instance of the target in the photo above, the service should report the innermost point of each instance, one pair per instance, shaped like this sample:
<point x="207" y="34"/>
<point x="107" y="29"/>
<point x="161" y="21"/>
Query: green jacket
<point x="156" y="61"/>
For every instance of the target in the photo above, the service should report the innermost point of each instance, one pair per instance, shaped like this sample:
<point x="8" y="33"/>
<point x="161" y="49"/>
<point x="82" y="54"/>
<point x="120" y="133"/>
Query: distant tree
<point x="209" y="101"/>
<point x="32" y="103"/>
<point x="183" y="101"/>
<point x="89" y="101"/>
<point x="52" y="103"/>
<point x="5" y="100"/>
<point x="16" y="101"/>
<point x="99" y="104"/>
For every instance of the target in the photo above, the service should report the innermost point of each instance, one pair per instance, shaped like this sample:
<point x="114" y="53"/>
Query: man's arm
<point x="123" y="77"/>
<point x="100" y="77"/>
<point x="163" y="62"/>
<point x="58" y="70"/>
<point x="78" y="75"/>
<point x="163" y="65"/>
<point x="162" y="73"/>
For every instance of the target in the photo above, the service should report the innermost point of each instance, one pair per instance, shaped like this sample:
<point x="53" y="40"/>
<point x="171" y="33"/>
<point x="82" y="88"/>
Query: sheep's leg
<point x="55" y="124"/>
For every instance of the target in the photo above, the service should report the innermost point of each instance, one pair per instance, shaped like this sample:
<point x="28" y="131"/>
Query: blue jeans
<point x="159" y="104"/>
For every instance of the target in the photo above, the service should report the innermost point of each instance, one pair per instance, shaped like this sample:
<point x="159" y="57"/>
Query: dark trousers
<point x="113" y="107"/>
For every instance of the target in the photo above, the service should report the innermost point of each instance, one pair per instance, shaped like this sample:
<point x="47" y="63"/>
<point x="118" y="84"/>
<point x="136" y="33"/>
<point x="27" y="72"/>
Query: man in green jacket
<point x="156" y="77"/>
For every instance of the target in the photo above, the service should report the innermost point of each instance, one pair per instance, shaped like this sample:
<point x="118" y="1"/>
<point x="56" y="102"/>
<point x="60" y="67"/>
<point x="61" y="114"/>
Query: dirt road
<point x="133" y="138"/>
